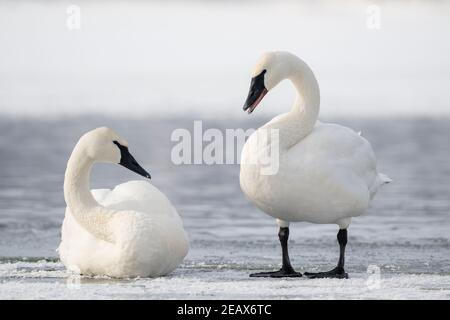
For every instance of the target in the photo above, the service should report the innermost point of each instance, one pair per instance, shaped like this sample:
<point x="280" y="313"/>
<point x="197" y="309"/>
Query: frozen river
<point x="399" y="249"/>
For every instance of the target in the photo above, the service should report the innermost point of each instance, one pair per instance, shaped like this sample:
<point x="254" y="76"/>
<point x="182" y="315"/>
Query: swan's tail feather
<point x="379" y="181"/>
<point x="384" y="178"/>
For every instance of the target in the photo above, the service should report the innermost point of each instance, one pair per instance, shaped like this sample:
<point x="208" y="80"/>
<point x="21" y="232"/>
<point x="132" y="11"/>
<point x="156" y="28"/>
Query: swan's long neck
<point x="300" y="121"/>
<point x="85" y="209"/>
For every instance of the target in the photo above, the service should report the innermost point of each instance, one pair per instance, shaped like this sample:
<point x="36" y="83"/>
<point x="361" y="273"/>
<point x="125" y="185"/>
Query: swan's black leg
<point x="286" y="269"/>
<point x="339" y="271"/>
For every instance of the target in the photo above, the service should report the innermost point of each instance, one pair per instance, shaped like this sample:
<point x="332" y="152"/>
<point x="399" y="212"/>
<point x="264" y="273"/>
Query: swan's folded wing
<point x="140" y="196"/>
<point x="100" y="194"/>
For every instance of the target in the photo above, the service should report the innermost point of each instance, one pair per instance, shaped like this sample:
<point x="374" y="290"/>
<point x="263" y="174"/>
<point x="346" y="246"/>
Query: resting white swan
<point x="130" y="231"/>
<point x="326" y="172"/>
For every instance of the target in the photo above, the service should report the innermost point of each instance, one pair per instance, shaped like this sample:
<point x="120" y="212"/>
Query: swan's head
<point x="104" y="145"/>
<point x="270" y="70"/>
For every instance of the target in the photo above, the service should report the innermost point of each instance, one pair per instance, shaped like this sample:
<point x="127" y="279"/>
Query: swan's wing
<point x="140" y="196"/>
<point x="337" y="151"/>
<point x="100" y="194"/>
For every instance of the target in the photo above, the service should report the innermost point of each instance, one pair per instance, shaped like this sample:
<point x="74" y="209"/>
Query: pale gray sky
<point x="161" y="57"/>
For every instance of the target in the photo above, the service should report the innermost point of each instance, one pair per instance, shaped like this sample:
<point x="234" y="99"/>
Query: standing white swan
<point x="132" y="230"/>
<point x="327" y="173"/>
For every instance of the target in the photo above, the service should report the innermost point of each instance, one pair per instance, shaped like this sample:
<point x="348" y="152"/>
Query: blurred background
<point x="184" y="57"/>
<point x="146" y="68"/>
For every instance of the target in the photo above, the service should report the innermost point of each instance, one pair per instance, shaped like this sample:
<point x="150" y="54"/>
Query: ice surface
<point x="48" y="280"/>
<point x="404" y="235"/>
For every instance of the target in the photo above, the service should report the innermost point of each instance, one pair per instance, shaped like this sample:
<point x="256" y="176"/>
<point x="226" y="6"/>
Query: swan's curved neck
<point x="300" y="121"/>
<point x="85" y="209"/>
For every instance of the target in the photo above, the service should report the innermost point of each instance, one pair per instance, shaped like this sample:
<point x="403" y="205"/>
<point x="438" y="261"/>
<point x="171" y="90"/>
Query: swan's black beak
<point x="256" y="93"/>
<point x="128" y="161"/>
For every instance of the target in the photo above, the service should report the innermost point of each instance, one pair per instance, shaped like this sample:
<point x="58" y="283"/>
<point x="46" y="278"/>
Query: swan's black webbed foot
<point x="286" y="270"/>
<point x="337" y="273"/>
<point x="277" y="274"/>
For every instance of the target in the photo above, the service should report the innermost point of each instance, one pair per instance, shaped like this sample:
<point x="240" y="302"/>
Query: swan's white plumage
<point x="327" y="174"/>
<point x="132" y="230"/>
<point x="150" y="240"/>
